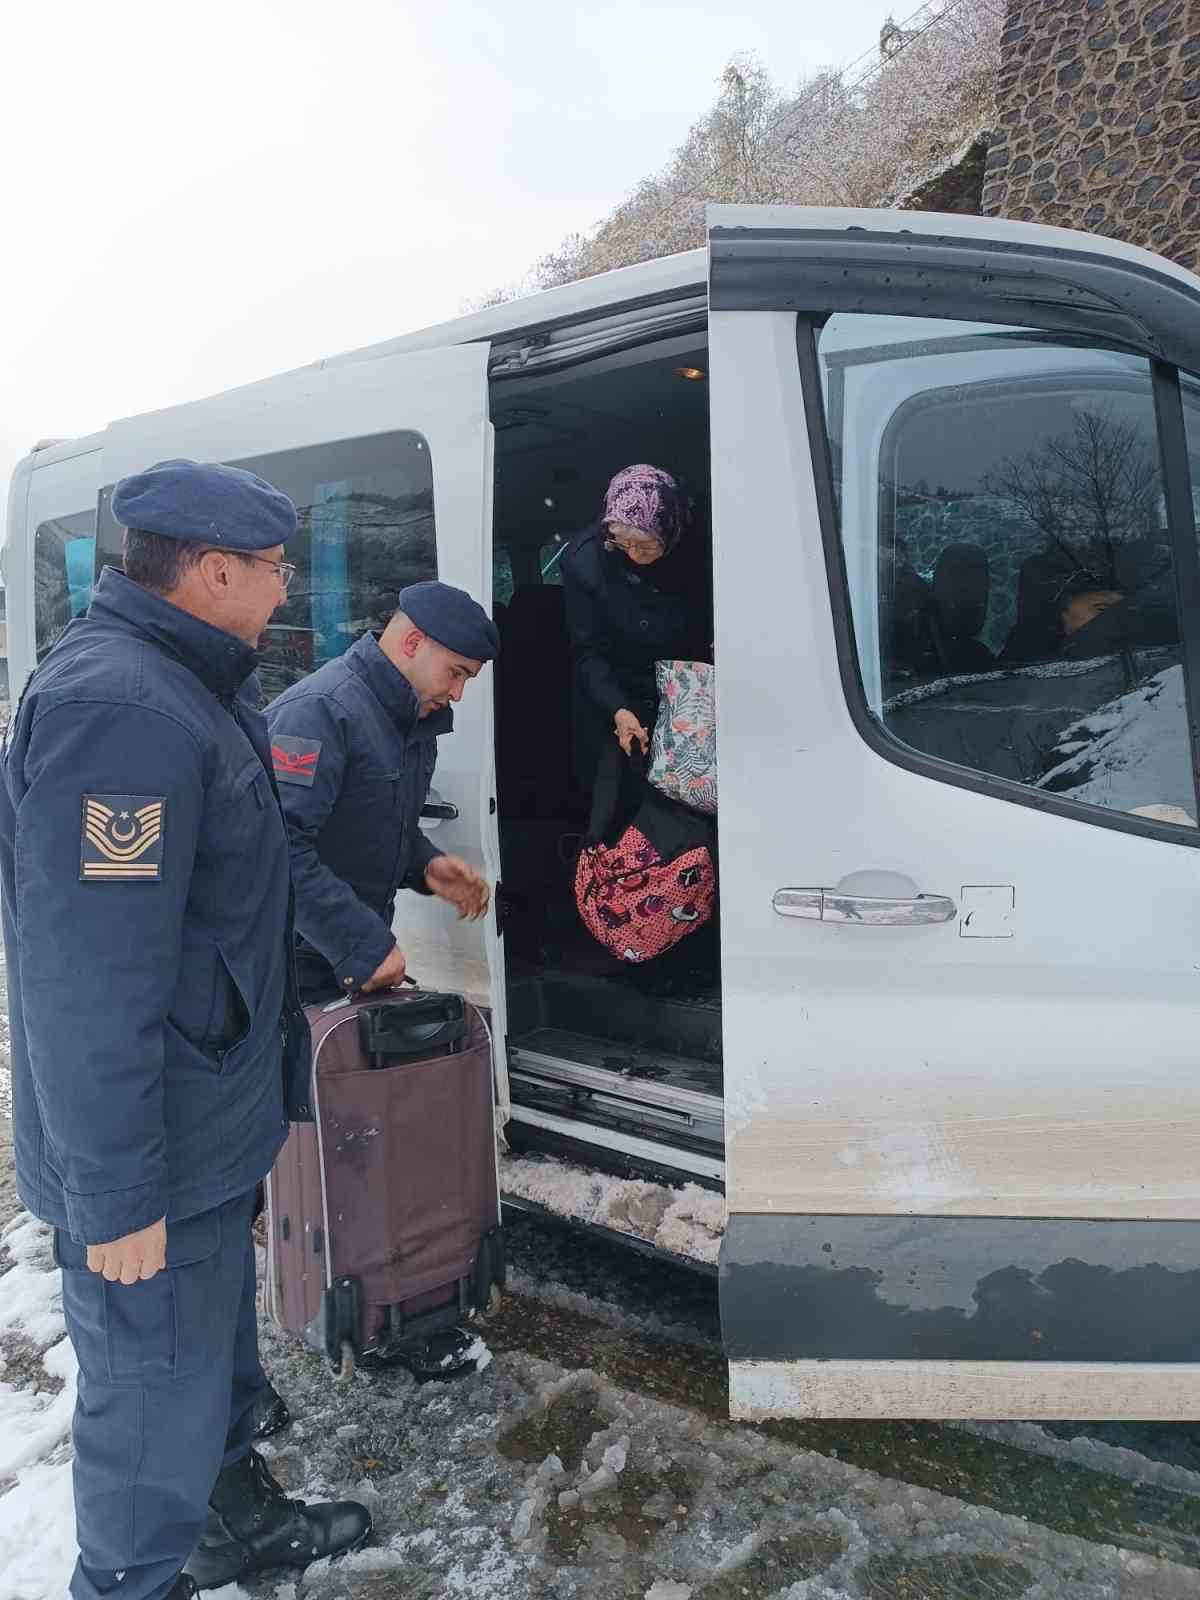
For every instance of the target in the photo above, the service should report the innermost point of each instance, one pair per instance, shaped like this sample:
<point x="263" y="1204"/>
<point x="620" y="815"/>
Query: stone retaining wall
<point x="1098" y="121"/>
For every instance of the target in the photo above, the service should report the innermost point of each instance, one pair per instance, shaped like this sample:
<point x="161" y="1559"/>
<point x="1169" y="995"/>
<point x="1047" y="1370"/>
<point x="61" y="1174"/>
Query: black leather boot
<point x="252" y="1525"/>
<point x="184" y="1588"/>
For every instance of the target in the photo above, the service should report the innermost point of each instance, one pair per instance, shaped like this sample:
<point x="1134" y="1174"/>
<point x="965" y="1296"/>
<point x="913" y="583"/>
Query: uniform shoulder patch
<point x="123" y="838"/>
<point x="295" y="760"/>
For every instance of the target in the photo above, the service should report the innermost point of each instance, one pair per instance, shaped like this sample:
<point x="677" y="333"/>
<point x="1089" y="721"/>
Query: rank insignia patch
<point x="295" y="760"/>
<point x="122" y="837"/>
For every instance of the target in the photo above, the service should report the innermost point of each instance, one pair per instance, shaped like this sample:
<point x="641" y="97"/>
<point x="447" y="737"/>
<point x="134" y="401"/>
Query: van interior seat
<point x="961" y="592"/>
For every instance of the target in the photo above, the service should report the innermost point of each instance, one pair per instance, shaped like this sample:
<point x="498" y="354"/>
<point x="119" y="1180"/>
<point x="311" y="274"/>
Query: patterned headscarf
<point x="647" y="498"/>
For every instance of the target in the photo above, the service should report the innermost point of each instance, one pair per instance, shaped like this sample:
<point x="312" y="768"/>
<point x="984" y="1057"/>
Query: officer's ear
<point x="214" y="568"/>
<point x="411" y="641"/>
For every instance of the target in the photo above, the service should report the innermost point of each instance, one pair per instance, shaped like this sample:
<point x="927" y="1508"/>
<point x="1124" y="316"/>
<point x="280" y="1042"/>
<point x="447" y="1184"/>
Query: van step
<point x="629" y="1018"/>
<point x="641" y="1067"/>
<point x="648" y="1088"/>
<point x="535" y="1129"/>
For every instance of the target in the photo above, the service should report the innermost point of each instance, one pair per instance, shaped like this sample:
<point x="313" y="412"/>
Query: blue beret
<point x="452" y="618"/>
<point x="205" y="504"/>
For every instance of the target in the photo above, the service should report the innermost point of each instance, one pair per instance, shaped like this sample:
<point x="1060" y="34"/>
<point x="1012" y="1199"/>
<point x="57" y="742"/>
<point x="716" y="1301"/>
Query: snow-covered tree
<point x="844" y="138"/>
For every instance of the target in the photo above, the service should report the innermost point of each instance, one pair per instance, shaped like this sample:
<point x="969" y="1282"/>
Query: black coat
<point x="621" y="619"/>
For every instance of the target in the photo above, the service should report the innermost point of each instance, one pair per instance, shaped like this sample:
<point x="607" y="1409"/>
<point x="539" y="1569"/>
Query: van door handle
<point x="870" y="911"/>
<point x="436" y="809"/>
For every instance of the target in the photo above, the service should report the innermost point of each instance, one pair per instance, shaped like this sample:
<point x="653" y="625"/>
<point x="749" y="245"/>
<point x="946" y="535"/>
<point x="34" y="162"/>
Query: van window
<point x="366" y="531"/>
<point x="64" y="552"/>
<point x="1003" y="522"/>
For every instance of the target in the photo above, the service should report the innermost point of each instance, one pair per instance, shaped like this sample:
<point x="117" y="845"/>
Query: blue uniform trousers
<point x="168" y="1377"/>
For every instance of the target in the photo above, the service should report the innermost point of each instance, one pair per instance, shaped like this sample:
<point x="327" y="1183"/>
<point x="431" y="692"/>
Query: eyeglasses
<point x="285" y="571"/>
<point x="647" y="547"/>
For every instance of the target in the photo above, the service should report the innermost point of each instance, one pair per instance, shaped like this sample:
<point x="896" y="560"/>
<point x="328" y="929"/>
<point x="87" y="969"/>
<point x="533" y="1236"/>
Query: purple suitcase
<point x="383" y="1217"/>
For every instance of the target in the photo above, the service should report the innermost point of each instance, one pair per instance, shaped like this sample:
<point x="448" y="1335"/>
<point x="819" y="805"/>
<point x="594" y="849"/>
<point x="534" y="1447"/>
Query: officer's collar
<point x="393" y="690"/>
<point x="219" y="660"/>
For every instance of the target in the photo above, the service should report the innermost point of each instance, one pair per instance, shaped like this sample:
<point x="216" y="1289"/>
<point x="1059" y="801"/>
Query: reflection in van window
<point x="502" y="576"/>
<point x="1003" y="520"/>
<point x="366" y="531"/>
<point x="64" y="552"/>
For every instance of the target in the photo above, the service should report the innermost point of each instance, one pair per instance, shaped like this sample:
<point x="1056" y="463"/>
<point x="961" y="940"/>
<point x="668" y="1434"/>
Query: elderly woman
<point x="634" y="591"/>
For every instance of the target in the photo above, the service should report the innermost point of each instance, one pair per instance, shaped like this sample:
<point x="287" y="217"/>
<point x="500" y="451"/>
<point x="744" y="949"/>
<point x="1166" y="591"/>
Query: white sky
<point x="197" y="197"/>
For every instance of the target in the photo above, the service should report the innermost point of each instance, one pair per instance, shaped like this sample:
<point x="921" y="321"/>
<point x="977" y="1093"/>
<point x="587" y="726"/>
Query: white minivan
<point x="946" y="1070"/>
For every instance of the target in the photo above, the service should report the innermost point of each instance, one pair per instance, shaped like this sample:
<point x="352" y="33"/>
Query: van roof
<point x="649" y="281"/>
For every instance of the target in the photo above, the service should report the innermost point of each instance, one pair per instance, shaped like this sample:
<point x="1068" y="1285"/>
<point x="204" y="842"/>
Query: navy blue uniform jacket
<point x="354" y="763"/>
<point x="157" y="1042"/>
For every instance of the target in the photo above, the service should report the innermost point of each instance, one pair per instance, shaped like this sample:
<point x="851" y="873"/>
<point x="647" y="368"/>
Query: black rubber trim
<point x="868" y="726"/>
<point x="874" y="1288"/>
<point x="976" y="280"/>
<point x="511" y="338"/>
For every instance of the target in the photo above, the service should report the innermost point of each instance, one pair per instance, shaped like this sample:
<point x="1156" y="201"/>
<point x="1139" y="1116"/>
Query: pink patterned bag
<point x="656" y="883"/>
<point x="683" y="757"/>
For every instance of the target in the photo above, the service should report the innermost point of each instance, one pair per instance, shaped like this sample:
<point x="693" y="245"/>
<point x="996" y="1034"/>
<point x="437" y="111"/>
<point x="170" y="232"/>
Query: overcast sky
<point x="197" y="197"/>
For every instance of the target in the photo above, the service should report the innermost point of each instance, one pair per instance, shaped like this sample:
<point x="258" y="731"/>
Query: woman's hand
<point x="627" y="728"/>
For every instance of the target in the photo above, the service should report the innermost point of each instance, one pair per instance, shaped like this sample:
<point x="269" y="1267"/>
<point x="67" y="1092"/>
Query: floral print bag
<point x="683" y="757"/>
<point x="656" y="882"/>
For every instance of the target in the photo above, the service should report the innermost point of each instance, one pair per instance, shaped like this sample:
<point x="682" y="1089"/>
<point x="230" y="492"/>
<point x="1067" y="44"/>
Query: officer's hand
<point x="452" y="880"/>
<point x="388" y="973"/>
<point x="137" y="1255"/>
<point x="627" y="728"/>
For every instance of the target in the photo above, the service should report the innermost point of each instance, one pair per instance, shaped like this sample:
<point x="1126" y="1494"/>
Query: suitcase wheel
<point x="342" y="1320"/>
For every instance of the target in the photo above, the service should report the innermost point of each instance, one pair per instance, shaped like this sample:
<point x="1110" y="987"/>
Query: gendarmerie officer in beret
<point x="158" y="1047"/>
<point x="354" y="747"/>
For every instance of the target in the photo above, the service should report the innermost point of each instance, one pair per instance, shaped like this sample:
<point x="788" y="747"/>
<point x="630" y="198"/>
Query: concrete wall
<point x="1098" y="120"/>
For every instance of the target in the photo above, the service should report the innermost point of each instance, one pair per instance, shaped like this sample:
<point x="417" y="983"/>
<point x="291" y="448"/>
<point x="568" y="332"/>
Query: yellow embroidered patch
<point x="122" y="837"/>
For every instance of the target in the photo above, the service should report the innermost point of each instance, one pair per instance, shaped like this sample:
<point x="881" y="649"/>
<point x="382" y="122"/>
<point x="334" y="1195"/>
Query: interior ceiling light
<point x="694" y="373"/>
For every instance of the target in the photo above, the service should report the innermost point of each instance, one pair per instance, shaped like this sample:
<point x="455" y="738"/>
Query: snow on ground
<point x="37" y="1396"/>
<point x="687" y="1222"/>
<point x="528" y="1481"/>
<point x="5" y="1057"/>
<point x="1119" y="1461"/>
<point x="607" y="1312"/>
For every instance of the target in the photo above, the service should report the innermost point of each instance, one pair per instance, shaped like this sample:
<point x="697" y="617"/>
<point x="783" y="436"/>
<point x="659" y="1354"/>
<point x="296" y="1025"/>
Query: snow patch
<point x="1115" y="1460"/>
<point x="605" y="1311"/>
<point x="32" y="1299"/>
<point x="479" y="1353"/>
<point x="686" y="1222"/>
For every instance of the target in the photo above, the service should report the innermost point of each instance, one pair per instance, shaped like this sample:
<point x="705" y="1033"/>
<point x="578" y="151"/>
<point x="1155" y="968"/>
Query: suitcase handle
<point x="421" y="1025"/>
